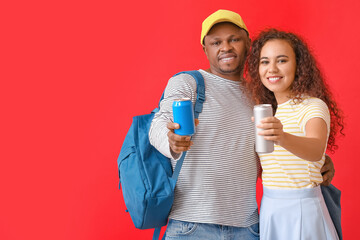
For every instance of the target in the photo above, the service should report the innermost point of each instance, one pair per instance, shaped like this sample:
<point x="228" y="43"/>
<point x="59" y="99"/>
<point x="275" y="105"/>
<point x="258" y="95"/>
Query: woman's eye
<point x="264" y="62"/>
<point x="282" y="61"/>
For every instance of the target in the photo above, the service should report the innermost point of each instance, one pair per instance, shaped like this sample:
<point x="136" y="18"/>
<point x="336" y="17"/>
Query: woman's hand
<point x="273" y="130"/>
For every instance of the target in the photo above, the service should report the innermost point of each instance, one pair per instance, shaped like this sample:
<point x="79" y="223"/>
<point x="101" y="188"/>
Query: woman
<point x="284" y="73"/>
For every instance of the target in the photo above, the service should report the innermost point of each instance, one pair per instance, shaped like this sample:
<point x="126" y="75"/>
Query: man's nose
<point x="226" y="46"/>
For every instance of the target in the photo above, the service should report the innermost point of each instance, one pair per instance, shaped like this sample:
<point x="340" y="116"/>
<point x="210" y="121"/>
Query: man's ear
<point x="203" y="45"/>
<point x="248" y="45"/>
<point x="204" y="49"/>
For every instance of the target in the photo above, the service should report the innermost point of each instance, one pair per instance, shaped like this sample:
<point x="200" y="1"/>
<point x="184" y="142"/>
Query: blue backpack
<point x="146" y="176"/>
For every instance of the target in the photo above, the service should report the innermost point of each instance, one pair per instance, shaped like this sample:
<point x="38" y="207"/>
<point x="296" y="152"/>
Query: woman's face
<point x="277" y="68"/>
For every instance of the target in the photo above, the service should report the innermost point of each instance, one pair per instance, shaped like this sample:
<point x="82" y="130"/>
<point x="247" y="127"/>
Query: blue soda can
<point x="183" y="113"/>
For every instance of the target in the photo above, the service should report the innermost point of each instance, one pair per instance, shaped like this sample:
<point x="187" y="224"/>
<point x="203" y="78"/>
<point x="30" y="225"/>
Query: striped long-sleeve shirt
<point x="217" y="182"/>
<point x="281" y="168"/>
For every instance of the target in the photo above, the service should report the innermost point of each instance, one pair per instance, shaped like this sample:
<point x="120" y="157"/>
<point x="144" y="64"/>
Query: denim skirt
<point x="295" y="214"/>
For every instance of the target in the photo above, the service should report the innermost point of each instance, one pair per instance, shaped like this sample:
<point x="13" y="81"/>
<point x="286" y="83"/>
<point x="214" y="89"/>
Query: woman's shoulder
<point x="310" y="104"/>
<point x="313" y="101"/>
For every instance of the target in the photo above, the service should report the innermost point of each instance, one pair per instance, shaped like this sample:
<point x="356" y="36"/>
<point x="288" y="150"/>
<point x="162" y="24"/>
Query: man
<point x="215" y="196"/>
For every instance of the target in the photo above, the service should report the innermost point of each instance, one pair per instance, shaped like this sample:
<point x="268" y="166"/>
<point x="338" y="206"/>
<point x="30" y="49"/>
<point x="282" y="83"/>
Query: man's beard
<point x="229" y="71"/>
<point x="238" y="69"/>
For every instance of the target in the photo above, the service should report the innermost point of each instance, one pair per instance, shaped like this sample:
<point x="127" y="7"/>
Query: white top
<point x="217" y="182"/>
<point x="281" y="168"/>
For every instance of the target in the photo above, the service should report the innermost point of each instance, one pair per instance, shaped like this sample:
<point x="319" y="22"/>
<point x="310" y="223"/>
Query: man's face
<point x="226" y="46"/>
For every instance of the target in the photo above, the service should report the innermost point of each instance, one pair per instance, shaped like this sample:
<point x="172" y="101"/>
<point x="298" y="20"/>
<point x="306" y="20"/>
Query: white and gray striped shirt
<point x="217" y="182"/>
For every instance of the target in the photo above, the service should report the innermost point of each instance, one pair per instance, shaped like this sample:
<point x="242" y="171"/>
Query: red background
<point x="73" y="73"/>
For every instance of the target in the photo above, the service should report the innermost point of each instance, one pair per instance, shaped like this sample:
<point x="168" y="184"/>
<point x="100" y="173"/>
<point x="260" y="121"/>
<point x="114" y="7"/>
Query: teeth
<point x="226" y="59"/>
<point x="274" y="78"/>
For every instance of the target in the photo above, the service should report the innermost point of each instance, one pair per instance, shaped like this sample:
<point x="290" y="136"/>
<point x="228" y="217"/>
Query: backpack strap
<point x="200" y="92"/>
<point x="156" y="234"/>
<point x="200" y="99"/>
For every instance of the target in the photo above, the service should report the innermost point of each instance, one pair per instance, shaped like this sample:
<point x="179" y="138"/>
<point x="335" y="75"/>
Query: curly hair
<point x="308" y="79"/>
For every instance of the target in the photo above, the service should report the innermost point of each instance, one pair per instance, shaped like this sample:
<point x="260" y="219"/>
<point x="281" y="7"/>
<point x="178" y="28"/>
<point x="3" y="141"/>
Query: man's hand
<point x="328" y="171"/>
<point x="179" y="143"/>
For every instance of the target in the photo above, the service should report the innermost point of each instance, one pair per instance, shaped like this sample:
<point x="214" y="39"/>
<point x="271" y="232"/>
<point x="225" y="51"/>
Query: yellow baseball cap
<point x="218" y="17"/>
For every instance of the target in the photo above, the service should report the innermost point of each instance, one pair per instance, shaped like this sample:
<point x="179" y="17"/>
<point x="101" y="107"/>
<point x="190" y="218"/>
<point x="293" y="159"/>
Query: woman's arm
<point x="311" y="147"/>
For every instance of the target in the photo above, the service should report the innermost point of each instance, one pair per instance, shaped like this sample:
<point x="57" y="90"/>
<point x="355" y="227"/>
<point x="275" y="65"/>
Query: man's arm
<point x="161" y="134"/>
<point x="328" y="171"/>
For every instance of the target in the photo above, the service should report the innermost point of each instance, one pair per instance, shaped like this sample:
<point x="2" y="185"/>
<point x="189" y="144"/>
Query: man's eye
<point x="217" y="43"/>
<point x="235" y="39"/>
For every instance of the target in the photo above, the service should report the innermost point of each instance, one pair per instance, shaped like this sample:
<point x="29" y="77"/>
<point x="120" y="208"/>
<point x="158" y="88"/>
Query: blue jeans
<point x="179" y="230"/>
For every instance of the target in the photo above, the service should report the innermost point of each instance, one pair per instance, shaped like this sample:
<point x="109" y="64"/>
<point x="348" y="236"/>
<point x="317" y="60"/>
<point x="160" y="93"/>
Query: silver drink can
<point x="261" y="145"/>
